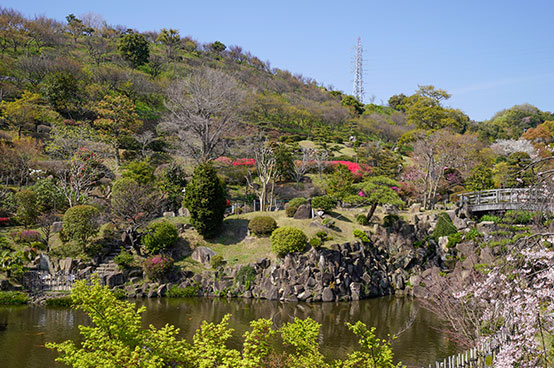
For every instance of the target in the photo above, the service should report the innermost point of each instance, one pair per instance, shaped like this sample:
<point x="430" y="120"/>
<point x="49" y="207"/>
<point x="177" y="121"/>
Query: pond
<point x="28" y="328"/>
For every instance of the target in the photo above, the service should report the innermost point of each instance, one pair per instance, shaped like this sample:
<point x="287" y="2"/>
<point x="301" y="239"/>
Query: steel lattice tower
<point x="358" y="90"/>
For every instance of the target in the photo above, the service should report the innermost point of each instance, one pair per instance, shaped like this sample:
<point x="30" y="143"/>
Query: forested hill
<point x="66" y="66"/>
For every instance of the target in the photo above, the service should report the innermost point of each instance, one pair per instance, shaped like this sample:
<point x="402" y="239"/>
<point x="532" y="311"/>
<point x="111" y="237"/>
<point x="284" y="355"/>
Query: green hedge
<point x="62" y="301"/>
<point x="444" y="226"/>
<point x="160" y="236"/>
<point x="187" y="292"/>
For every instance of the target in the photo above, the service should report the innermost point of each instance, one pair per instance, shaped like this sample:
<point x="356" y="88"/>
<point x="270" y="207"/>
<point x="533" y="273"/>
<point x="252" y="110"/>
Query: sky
<point x="489" y="54"/>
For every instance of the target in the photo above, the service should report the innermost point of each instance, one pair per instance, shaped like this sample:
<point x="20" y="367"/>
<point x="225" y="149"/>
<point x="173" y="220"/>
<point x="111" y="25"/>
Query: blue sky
<point x="488" y="54"/>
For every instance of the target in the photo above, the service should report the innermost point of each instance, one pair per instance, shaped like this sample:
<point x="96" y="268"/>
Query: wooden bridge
<point x="531" y="199"/>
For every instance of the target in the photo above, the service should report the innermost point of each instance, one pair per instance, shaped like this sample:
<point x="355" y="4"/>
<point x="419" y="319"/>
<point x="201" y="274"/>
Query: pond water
<point x="28" y="328"/>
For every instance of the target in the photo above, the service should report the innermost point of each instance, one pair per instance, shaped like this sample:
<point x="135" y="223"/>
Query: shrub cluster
<point x="246" y="276"/>
<point x="81" y="222"/>
<point x="217" y="261"/>
<point x="160" y="236"/>
<point x="262" y="225"/>
<point x="288" y="239"/>
<point x="157" y="267"/>
<point x="362" y="219"/>
<point x="315" y="242"/>
<point x="124" y="260"/>
<point x="62" y="301"/>
<point x="13" y="298"/>
<point x="186" y="292"/>
<point x="390" y="219"/>
<point x="361" y="235"/>
<point x="444" y="226"/>
<point x="294" y="204"/>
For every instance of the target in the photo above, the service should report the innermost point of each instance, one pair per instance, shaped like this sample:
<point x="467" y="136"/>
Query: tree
<point x="217" y="47"/>
<point x="380" y="190"/>
<point x="27" y="207"/>
<point x="77" y="178"/>
<point x="424" y="109"/>
<point x="205" y="199"/>
<point x="17" y="159"/>
<point x="133" y="207"/>
<point x="80" y="223"/>
<point x="481" y="178"/>
<point x="75" y="26"/>
<point x="134" y="48"/>
<point x="339" y="184"/>
<point x="22" y="112"/>
<point x="302" y="165"/>
<point x="170" y="38"/>
<point x="202" y="111"/>
<point x="62" y="91"/>
<point x="116" y="118"/>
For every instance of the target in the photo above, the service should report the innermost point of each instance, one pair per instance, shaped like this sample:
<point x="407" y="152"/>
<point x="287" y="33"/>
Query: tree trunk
<point x="371" y="211"/>
<point x="117" y="157"/>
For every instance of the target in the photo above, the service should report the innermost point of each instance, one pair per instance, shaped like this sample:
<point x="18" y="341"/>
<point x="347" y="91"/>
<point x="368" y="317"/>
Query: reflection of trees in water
<point x="419" y="344"/>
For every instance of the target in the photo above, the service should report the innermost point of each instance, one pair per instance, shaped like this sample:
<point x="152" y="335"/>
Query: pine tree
<point x="205" y="199"/>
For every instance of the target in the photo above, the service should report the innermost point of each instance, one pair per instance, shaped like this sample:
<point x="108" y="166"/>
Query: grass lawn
<point x="233" y="244"/>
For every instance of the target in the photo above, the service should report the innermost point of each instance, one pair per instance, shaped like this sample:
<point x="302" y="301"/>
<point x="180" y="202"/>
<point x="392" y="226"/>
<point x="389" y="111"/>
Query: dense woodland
<point x="107" y="128"/>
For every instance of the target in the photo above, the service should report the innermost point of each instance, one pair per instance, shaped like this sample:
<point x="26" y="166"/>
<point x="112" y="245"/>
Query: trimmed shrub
<point x="124" y="260"/>
<point x="453" y="240"/>
<point x="328" y="222"/>
<point x="322" y="235"/>
<point x="62" y="301"/>
<point x="294" y="204"/>
<point x="13" y="298"/>
<point x="246" y="276"/>
<point x="362" y="219"/>
<point x="81" y="223"/>
<point x="390" y="219"/>
<point x="519" y="217"/>
<point x="324" y="203"/>
<point x="205" y="199"/>
<point x="157" y="267"/>
<point x="159" y="236"/>
<point x="262" y="225"/>
<point x="492" y="218"/>
<point x="444" y="226"/>
<point x="186" y="292"/>
<point x="473" y="234"/>
<point x="217" y="261"/>
<point x="49" y="196"/>
<point x="315" y="242"/>
<point x="361" y="235"/>
<point x="287" y="239"/>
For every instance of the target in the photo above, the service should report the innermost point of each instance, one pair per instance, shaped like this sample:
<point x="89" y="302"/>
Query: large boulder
<point x="303" y="212"/>
<point x="115" y="279"/>
<point x="327" y="295"/>
<point x="66" y="265"/>
<point x="203" y="255"/>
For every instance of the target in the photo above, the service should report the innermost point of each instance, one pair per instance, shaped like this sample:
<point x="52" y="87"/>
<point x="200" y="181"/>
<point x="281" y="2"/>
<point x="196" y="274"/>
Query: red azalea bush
<point x="157" y="267"/>
<point x="355" y="168"/>
<point x="244" y="161"/>
<point x="4" y="221"/>
<point x="224" y="161"/>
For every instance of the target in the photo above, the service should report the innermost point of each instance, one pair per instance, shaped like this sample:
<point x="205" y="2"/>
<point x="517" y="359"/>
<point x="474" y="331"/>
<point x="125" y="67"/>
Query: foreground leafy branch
<point x="116" y="339"/>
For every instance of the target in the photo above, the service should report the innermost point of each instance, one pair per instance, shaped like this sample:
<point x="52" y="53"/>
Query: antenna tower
<point x="358" y="91"/>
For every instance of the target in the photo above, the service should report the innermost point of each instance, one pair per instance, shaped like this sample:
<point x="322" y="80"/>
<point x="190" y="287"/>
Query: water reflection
<point x="28" y="328"/>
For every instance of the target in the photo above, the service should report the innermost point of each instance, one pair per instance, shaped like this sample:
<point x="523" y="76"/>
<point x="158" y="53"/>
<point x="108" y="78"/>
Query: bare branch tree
<point x="203" y="110"/>
<point x="144" y="139"/>
<point x="302" y="165"/>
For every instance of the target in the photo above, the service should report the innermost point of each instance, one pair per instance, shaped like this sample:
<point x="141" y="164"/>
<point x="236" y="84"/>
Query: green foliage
<point x="328" y="222"/>
<point x="205" y="199"/>
<point x="351" y="101"/>
<point x="517" y="176"/>
<point x="390" y="220"/>
<point x="324" y="203"/>
<point x="339" y="183"/>
<point x="13" y="298"/>
<point x="159" y="236"/>
<point x="492" y="218"/>
<point x="444" y="226"/>
<point x="171" y="182"/>
<point x="322" y="235"/>
<point x="124" y="260"/>
<point x="115" y="338"/>
<point x="262" y="225"/>
<point x="361" y="235"/>
<point x="473" y="234"/>
<point x="315" y="242"/>
<point x="374" y="352"/>
<point x="49" y="196"/>
<point x="27" y="207"/>
<point x="481" y="178"/>
<point x="519" y="217"/>
<point x="157" y="267"/>
<point x="245" y="276"/>
<point x="362" y="219"/>
<point x="80" y="223"/>
<point x="284" y="163"/>
<point x="186" y="292"/>
<point x="288" y="239"/>
<point x="140" y="171"/>
<point x="62" y="301"/>
<point x="61" y="90"/>
<point x="133" y="47"/>
<point x="217" y="261"/>
<point x="454" y="239"/>
<point x="380" y="190"/>
<point x="293" y="205"/>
